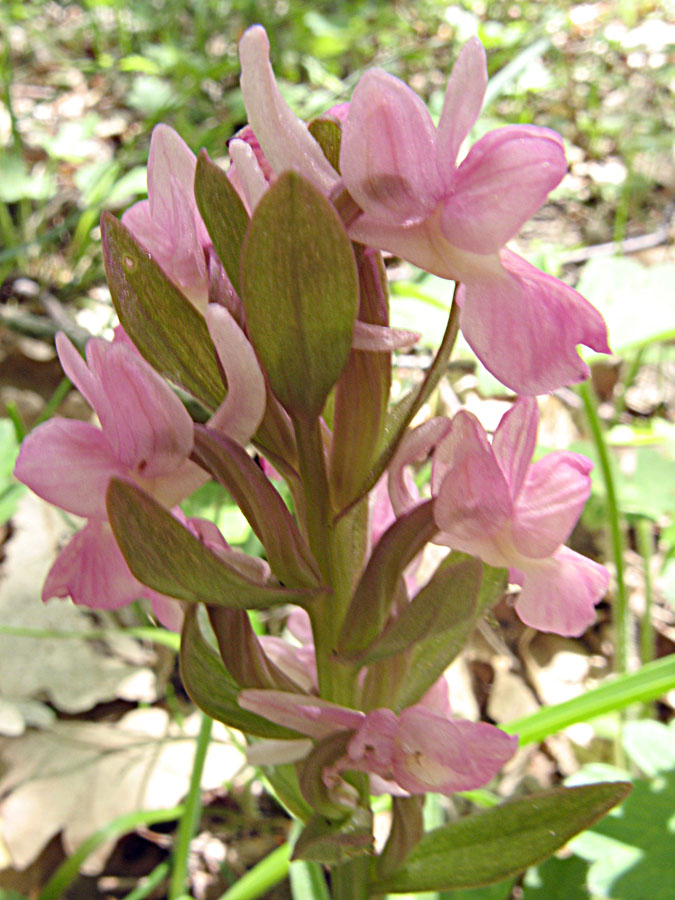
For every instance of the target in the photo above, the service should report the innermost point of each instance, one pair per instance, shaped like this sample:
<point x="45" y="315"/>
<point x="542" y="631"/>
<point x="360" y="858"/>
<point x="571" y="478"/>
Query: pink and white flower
<point x="411" y="753"/>
<point x="452" y="220"/>
<point x="493" y="503"/>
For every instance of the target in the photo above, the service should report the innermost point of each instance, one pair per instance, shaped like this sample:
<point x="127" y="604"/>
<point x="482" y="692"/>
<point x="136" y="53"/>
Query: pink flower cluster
<point x="412" y="198"/>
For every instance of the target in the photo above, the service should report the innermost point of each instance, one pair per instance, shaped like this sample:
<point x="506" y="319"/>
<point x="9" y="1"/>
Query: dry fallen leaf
<point x="76" y="777"/>
<point x="71" y="673"/>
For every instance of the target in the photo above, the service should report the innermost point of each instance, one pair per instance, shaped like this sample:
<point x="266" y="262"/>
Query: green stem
<point x="314" y="479"/>
<point x="349" y="881"/>
<point x="150" y="882"/>
<point x="615" y="526"/>
<point x="262" y="877"/>
<point x="645" y="542"/>
<point x="156" y="635"/>
<point x="190" y="818"/>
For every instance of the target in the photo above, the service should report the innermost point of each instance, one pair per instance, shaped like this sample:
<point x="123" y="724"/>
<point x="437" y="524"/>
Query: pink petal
<point x="92" y="570"/>
<point x="240" y="414"/>
<point x="381" y="338"/>
<point x="299" y="663"/>
<point x="552" y="498"/>
<point x="388" y="150"/>
<point x="174" y="487"/>
<point x="504" y="179"/>
<point x="446" y="756"/>
<point x="309" y="715"/>
<point x="559" y="593"/>
<point x="78" y="371"/>
<point x="300" y="626"/>
<point x="524" y="326"/>
<point x="461" y="107"/>
<point x="170" y="227"/>
<point x="414" y="448"/>
<point x="69" y="463"/>
<point x="372" y="747"/>
<point x="285" y="140"/>
<point x="169" y="612"/>
<point x="514" y="441"/>
<point x="145" y="422"/>
<point x="251" y="176"/>
<point x="473" y="501"/>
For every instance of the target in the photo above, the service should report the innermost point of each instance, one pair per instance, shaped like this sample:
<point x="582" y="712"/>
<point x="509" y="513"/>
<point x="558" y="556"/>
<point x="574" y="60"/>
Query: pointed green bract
<point x="213" y="689"/>
<point x="287" y="552"/>
<point x="300" y="291"/>
<point x="448" y="604"/>
<point x="493" y="844"/>
<point x="223" y="213"/>
<point x="168" y="558"/>
<point x="332" y="843"/>
<point x="362" y="393"/>
<point x="165" y="327"/>
<point x="431" y="656"/>
<point x="375" y="593"/>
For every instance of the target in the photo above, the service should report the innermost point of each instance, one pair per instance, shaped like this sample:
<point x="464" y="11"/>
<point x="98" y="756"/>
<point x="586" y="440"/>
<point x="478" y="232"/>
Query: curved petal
<point x="298" y="663"/>
<point x="169" y="612"/>
<point x="285" y="140"/>
<point x="552" y="498"/>
<point x="424" y="245"/>
<point x="78" y="371"/>
<point x="242" y="410"/>
<point x="524" y="326"/>
<point x="144" y="422"/>
<point x="170" y="162"/>
<point x="514" y="441"/>
<point x="504" y="179"/>
<point x="387" y="151"/>
<point x="461" y="107"/>
<point x="372" y="747"/>
<point x="92" y="570"/>
<point x="69" y="463"/>
<point x="381" y="338"/>
<point x="251" y="176"/>
<point x="559" y="593"/>
<point x="437" y="754"/>
<point x="309" y="715"/>
<point x="473" y="502"/>
<point x="415" y="447"/>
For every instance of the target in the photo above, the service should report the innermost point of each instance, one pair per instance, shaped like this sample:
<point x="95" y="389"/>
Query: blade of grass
<point x="262" y="877"/>
<point x="588" y="397"/>
<point x="191" y="813"/>
<point x="144" y="633"/>
<point x="649" y="683"/>
<point x="67" y="872"/>
<point x="150" y="882"/>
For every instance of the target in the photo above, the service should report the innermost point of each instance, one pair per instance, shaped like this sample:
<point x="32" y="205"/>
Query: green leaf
<point x="653" y="680"/>
<point x="650" y="745"/>
<point x="631" y="850"/>
<point x="333" y="843"/>
<point x="375" y="593"/>
<point x="287" y="552"/>
<point x="557" y="879"/>
<point x="167" y="557"/>
<point x="162" y="323"/>
<point x="300" y="291"/>
<point x="223" y="213"/>
<point x="518" y="834"/>
<point x="213" y="689"/>
<point x="448" y="604"/>
<point x="430" y="657"/>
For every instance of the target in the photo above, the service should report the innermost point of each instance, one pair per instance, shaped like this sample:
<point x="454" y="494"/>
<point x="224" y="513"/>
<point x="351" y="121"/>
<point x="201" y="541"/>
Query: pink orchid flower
<point x="168" y="223"/>
<point x="412" y="753"/>
<point x="146" y="436"/>
<point x="451" y="220"/>
<point x="492" y="503"/>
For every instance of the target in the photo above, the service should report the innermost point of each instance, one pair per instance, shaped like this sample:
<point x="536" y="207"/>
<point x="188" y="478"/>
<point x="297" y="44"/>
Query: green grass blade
<point x="650" y="682"/>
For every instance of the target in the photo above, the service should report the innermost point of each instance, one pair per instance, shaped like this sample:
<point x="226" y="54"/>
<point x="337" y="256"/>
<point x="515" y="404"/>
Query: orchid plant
<point x="260" y="291"/>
